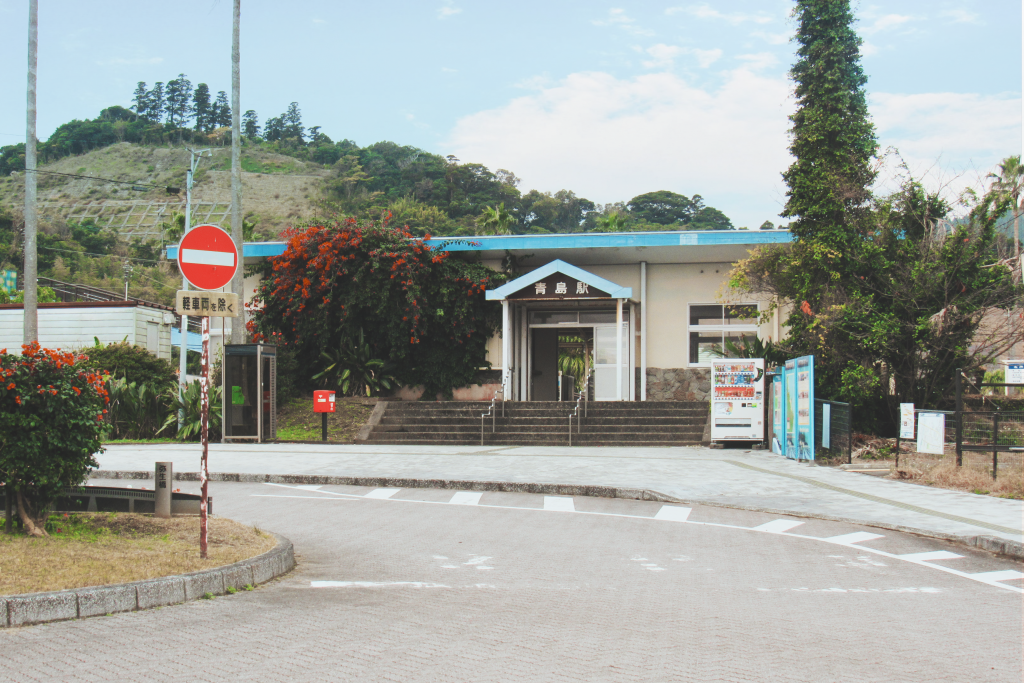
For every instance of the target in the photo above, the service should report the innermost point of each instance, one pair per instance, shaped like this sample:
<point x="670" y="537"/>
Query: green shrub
<point x="191" y="403"/>
<point x="133" y="363"/>
<point x="51" y="419"/>
<point x="137" y="411"/>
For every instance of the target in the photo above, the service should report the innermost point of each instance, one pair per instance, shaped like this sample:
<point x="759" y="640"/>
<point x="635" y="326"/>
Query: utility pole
<point x="238" y="281"/>
<point x="31" y="332"/>
<point x="126" y="266"/>
<point x="195" y="156"/>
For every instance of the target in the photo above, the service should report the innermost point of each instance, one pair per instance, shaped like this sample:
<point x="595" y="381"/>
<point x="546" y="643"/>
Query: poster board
<point x="1015" y="372"/>
<point x="906" y="420"/>
<point x="805" y="407"/>
<point x="931" y="433"/>
<point x="789" y="416"/>
<point x="778" y="408"/>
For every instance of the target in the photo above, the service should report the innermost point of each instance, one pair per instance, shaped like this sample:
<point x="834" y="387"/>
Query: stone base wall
<point x="678" y="384"/>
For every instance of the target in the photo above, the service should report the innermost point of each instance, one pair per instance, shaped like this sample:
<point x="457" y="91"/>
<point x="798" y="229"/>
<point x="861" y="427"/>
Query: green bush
<point x="132" y="363"/>
<point x="137" y="411"/>
<point x="51" y="419"/>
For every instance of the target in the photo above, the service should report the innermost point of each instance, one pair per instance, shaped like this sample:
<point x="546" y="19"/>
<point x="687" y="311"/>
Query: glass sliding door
<point x="605" y="367"/>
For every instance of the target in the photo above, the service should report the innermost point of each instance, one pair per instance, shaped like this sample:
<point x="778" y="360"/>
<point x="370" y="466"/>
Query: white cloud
<point x="319" y="21"/>
<point x="705" y="11"/>
<point x="960" y="16"/>
<point x="448" y="9"/>
<point x="664" y="55"/>
<point x="759" y="60"/>
<point x="948" y="138"/>
<point x="886" y="22"/>
<point x="618" y="17"/>
<point x="609" y="139"/>
<point x="867" y="48"/>
<point x="773" y="38"/>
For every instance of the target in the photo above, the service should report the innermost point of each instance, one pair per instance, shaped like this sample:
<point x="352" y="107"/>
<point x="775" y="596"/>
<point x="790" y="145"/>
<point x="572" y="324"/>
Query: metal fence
<point x="833" y="434"/>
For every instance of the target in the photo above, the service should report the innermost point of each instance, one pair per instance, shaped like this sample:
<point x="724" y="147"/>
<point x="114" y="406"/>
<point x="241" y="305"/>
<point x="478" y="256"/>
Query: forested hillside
<point x="97" y="176"/>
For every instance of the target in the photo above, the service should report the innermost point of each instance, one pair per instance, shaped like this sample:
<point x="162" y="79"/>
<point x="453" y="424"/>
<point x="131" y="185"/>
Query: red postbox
<point x="323" y="401"/>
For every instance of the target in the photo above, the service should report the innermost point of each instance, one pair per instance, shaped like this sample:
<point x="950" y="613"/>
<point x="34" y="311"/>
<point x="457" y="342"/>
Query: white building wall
<point x="74" y="328"/>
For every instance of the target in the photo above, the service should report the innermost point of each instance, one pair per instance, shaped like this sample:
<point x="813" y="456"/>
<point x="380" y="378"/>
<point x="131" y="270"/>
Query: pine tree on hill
<point x="222" y="111"/>
<point x="202" y="107"/>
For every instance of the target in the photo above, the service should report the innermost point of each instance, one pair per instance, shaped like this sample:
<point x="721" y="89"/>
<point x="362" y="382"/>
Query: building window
<point x="712" y="325"/>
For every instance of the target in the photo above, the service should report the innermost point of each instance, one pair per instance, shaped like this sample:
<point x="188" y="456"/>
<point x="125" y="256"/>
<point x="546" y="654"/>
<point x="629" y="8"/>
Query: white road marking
<point x="1003" y="575"/>
<point x="476" y="560"/>
<point x="855" y="537"/>
<point x="932" y="555"/>
<point x="466" y="498"/>
<point x="673" y="513"/>
<point x="559" y="504"/>
<point x="308" y="487"/>
<point x="208" y="258"/>
<point x="382" y="494"/>
<point x="873" y="551"/>
<point x="778" y="526"/>
<point x="375" y="584"/>
<point x="272" y="495"/>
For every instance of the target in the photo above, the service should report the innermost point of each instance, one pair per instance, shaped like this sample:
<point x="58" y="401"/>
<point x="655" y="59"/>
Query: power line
<point x="89" y="253"/>
<point x="170" y="190"/>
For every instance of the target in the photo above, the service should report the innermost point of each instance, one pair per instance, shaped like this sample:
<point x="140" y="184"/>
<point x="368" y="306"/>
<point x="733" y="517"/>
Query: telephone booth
<point x="250" y="392"/>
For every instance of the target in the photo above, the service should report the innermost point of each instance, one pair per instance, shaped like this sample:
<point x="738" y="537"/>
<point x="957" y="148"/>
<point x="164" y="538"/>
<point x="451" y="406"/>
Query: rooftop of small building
<point x="587" y="248"/>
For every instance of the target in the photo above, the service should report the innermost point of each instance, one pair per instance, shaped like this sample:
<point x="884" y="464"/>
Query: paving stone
<point x="3" y="612"/>
<point x="42" y="607"/>
<point x="161" y="592"/>
<point x="106" y="600"/>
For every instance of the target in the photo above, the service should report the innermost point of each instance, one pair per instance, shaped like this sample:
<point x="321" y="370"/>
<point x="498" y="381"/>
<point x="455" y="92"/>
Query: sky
<point x="607" y="100"/>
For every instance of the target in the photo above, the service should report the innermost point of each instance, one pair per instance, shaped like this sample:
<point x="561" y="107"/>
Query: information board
<point x="931" y="433"/>
<point x="1015" y="372"/>
<point x="906" y="420"/>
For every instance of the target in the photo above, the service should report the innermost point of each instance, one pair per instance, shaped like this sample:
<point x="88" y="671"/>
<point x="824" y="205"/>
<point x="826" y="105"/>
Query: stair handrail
<point x="583" y="397"/>
<point x="505" y="380"/>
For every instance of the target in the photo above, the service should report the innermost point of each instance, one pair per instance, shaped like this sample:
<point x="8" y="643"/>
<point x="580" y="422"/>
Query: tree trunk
<point x="34" y="525"/>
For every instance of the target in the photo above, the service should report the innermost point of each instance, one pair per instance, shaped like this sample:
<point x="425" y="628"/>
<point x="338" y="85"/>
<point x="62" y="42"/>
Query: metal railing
<point x="972" y="433"/>
<point x="581" y="397"/>
<point x="491" y="412"/>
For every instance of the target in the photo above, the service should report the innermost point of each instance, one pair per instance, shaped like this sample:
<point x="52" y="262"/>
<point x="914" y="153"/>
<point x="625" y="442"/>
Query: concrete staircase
<point x="539" y="423"/>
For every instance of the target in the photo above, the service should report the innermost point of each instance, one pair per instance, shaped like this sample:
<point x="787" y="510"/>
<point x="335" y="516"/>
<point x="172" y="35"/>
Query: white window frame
<point x="723" y="327"/>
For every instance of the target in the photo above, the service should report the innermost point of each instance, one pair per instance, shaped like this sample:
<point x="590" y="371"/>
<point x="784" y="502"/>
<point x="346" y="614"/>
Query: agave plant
<point x="190" y="402"/>
<point x="751" y="346"/>
<point x="353" y="370"/>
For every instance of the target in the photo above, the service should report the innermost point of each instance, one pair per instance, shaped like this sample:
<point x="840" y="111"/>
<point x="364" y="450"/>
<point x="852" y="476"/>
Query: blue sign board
<point x="793" y="409"/>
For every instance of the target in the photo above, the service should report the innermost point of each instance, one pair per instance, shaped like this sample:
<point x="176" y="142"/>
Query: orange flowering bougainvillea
<point x="417" y="307"/>
<point x="51" y="418"/>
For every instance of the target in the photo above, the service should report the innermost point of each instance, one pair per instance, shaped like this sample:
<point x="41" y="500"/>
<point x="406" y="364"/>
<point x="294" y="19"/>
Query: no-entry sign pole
<point x="204" y="471"/>
<point x="208" y="259"/>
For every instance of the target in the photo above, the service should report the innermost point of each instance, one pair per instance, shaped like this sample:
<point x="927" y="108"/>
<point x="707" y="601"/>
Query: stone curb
<point x="78" y="603"/>
<point x="1002" y="546"/>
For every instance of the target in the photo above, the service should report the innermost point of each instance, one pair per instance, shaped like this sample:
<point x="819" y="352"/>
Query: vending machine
<point x="737" y="399"/>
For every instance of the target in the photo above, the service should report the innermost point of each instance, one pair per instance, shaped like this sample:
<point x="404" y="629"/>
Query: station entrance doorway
<point x="573" y="342"/>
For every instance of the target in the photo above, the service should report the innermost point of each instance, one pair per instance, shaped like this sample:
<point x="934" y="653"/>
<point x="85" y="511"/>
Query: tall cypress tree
<point x="833" y="138"/>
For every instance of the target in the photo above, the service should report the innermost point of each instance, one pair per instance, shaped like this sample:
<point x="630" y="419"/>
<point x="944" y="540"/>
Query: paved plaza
<point x="438" y="585"/>
<point x="752" y="479"/>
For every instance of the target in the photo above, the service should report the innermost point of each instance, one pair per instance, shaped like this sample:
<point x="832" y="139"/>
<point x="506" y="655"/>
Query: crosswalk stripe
<point x="381" y="493"/>
<point x="559" y="503"/>
<point x="855" y="537"/>
<point x="673" y="513"/>
<point x="932" y="555"/>
<point x="778" y="526"/>
<point x="466" y="498"/>
<point x="1002" y="575"/>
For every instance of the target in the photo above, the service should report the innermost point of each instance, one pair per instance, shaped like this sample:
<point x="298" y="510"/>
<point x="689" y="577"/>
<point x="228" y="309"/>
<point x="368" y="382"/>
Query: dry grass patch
<point x="104" y="548"/>
<point x="974" y="476"/>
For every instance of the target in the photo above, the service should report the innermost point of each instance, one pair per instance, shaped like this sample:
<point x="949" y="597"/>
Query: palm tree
<point x="497" y="220"/>
<point x="1009" y="182"/>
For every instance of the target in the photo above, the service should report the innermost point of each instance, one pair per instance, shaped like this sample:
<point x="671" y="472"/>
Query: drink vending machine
<point x="737" y="399"/>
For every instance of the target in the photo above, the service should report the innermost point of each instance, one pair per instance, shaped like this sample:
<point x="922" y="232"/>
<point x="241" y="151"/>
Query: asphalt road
<point x="440" y="585"/>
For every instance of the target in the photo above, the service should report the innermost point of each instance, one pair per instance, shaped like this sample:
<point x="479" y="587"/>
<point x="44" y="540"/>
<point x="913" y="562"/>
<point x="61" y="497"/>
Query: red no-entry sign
<point x="207" y="257"/>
